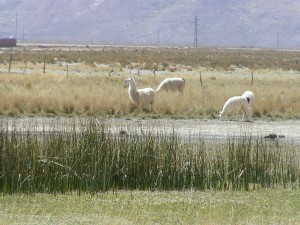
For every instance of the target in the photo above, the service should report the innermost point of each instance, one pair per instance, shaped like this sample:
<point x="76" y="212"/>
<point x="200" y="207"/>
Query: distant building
<point x="8" y="42"/>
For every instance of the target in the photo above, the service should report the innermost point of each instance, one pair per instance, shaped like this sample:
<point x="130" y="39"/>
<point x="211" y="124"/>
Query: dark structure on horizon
<point x="8" y="42"/>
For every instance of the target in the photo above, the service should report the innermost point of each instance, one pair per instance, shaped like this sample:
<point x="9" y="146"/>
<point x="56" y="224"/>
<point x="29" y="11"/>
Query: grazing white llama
<point x="140" y="97"/>
<point x="171" y="84"/>
<point x="250" y="95"/>
<point x="235" y="104"/>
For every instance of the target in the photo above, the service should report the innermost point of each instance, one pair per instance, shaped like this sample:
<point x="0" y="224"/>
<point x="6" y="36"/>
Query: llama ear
<point x="248" y="99"/>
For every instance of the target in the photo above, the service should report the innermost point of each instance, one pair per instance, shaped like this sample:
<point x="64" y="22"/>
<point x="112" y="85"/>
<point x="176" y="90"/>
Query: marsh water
<point x="185" y="129"/>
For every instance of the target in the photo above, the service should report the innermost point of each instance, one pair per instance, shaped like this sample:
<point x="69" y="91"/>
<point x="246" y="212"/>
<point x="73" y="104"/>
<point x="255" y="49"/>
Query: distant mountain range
<point x="224" y="23"/>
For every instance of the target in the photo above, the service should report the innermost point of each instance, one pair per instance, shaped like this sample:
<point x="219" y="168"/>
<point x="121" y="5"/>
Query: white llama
<point x="235" y="104"/>
<point x="250" y="95"/>
<point x="140" y="98"/>
<point x="171" y="84"/>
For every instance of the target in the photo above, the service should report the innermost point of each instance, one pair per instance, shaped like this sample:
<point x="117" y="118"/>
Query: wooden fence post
<point x="67" y="68"/>
<point x="10" y="60"/>
<point x="44" y="68"/>
<point x="111" y="71"/>
<point x="25" y="68"/>
<point x="200" y="78"/>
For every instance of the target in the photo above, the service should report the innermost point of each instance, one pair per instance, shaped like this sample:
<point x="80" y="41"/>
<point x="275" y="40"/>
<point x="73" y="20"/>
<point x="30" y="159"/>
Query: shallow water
<point x="186" y="129"/>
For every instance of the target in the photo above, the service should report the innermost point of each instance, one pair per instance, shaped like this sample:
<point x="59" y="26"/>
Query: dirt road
<point x="185" y="128"/>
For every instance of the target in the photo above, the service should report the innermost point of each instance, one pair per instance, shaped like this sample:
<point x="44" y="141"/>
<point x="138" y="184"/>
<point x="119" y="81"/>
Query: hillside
<point x="220" y="22"/>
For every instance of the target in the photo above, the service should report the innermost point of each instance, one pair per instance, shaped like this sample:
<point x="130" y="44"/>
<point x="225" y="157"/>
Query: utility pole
<point x="16" y="25"/>
<point x="158" y="38"/>
<point x="23" y="36"/>
<point x="277" y="41"/>
<point x="196" y="33"/>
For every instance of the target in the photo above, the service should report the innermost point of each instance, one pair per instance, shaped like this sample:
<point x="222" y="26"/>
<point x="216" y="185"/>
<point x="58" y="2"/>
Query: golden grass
<point x="77" y="81"/>
<point x="276" y="94"/>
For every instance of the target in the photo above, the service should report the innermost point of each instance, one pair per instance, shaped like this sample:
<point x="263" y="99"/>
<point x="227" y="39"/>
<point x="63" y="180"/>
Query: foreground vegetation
<point x="271" y="206"/>
<point x="94" y="159"/>
<point x="96" y="176"/>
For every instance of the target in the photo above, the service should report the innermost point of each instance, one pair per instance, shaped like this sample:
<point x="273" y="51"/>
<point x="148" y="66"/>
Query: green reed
<point x="96" y="159"/>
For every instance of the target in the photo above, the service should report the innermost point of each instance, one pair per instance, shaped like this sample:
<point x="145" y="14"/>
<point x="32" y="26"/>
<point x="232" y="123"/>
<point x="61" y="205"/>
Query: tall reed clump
<point x="96" y="159"/>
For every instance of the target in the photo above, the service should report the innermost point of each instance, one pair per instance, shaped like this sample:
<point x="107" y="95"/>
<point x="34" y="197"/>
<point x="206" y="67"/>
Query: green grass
<point x="139" y="207"/>
<point x="93" y="160"/>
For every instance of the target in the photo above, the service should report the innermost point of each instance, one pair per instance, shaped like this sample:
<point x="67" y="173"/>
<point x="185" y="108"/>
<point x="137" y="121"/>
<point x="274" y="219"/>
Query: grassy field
<point x="77" y="82"/>
<point x="139" y="207"/>
<point x="147" y="58"/>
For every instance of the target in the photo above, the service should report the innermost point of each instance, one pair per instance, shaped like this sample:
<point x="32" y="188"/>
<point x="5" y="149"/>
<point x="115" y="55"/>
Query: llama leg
<point x="221" y="115"/>
<point x="246" y="113"/>
<point x="151" y="106"/>
<point x="132" y="107"/>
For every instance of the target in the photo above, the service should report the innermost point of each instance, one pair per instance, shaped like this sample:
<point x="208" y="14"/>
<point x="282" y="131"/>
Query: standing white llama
<point x="140" y="98"/>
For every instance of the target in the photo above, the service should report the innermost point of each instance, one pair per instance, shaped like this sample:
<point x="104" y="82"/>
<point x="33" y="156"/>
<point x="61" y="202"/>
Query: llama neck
<point x="133" y="93"/>
<point x="132" y="88"/>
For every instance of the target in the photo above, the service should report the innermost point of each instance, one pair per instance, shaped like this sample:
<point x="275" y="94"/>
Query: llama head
<point x="129" y="80"/>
